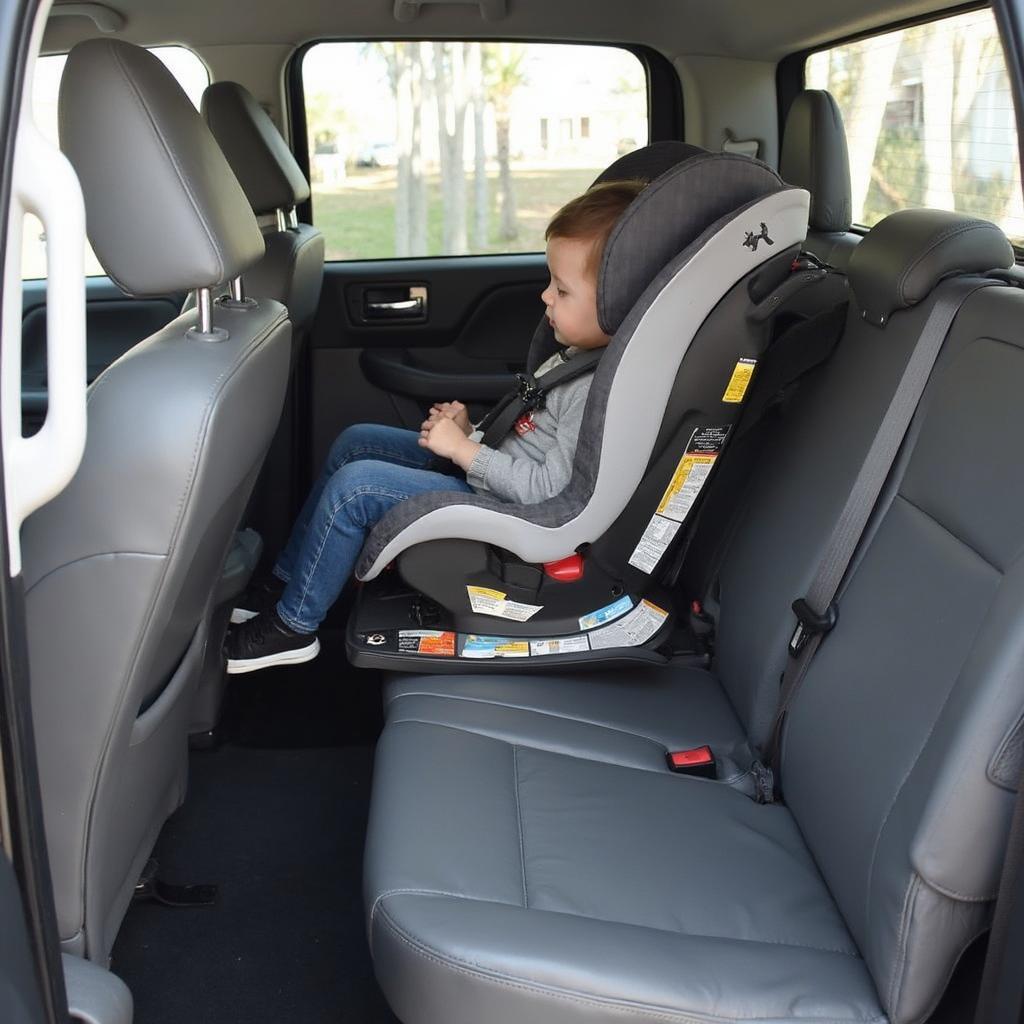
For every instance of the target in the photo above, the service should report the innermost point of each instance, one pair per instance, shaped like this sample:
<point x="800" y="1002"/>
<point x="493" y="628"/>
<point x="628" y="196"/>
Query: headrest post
<point x="237" y="290"/>
<point x="282" y="221"/>
<point x="204" y="301"/>
<point x="293" y="218"/>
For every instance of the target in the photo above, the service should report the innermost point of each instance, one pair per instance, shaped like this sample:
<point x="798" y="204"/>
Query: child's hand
<point x="444" y="437"/>
<point x="454" y="411"/>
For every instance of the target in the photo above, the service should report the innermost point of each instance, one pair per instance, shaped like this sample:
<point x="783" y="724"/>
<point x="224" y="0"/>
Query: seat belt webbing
<point x="816" y="612"/>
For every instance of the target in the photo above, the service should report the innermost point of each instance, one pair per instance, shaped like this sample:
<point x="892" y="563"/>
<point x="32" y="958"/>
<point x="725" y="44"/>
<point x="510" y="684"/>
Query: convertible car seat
<point x="120" y="567"/>
<point x="686" y="288"/>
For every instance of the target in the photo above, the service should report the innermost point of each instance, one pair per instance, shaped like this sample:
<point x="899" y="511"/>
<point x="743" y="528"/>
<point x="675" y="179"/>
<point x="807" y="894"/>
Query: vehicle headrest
<point x="902" y="258"/>
<point x="666" y="217"/>
<point x="815" y="157"/>
<point x="164" y="212"/>
<point x="259" y="156"/>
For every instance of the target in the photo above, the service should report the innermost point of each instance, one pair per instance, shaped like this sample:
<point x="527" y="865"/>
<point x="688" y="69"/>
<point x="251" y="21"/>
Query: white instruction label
<point x="485" y="601"/>
<point x="692" y="471"/>
<point x="634" y="629"/>
<point x="561" y="645"/>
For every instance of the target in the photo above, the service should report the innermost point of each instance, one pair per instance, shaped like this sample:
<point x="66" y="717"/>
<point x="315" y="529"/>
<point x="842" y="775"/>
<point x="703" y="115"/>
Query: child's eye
<point x="562" y="293"/>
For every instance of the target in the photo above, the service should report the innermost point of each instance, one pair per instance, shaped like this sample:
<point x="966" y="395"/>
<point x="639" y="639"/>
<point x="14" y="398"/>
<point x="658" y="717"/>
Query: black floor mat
<point x="276" y="816"/>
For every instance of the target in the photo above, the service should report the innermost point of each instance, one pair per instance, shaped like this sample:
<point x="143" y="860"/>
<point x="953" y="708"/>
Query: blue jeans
<point x="370" y="469"/>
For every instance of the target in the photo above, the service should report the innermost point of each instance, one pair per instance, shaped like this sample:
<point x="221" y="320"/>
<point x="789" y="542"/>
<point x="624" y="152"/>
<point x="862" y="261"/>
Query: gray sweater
<point x="534" y="462"/>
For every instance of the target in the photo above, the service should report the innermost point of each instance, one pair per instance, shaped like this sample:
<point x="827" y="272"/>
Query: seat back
<point x="903" y="746"/>
<point x="119" y="568"/>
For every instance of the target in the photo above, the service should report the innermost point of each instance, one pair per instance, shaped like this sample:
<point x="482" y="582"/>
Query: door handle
<point x="390" y="302"/>
<point x="404" y="305"/>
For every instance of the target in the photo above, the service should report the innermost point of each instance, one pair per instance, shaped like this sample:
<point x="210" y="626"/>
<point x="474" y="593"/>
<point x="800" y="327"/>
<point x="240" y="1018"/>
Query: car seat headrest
<point x="264" y="165"/>
<point x="666" y="217"/>
<point x="903" y="257"/>
<point x="165" y="213"/>
<point x="649" y="162"/>
<point x="815" y="157"/>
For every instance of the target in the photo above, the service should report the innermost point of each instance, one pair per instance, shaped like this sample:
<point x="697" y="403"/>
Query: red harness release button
<point x="565" y="570"/>
<point x="697" y="761"/>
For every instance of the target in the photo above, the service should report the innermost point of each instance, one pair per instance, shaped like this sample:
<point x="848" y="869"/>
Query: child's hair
<point x="593" y="215"/>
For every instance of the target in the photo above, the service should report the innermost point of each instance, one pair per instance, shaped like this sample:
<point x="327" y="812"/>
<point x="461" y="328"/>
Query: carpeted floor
<point x="276" y="816"/>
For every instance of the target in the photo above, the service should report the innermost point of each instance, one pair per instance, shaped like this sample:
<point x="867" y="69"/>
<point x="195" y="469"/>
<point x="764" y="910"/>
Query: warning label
<point x="739" y="381"/>
<point x="494" y="647"/>
<point x="692" y="472"/>
<point x="607" y="613"/>
<point x="485" y="601"/>
<point x="427" y="641"/>
<point x="632" y="630"/>
<point x="561" y="645"/>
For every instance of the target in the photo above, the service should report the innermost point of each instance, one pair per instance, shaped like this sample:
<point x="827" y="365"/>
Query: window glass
<point x="186" y="67"/>
<point x="442" y="148"/>
<point x="929" y="118"/>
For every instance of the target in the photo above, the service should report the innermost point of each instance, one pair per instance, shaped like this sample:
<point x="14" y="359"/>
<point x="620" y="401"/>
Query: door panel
<point x="480" y="315"/>
<point x="19" y="994"/>
<point x="114" y="323"/>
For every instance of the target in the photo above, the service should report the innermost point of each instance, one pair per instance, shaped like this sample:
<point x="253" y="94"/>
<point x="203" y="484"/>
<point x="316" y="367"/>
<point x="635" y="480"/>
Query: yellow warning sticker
<point x="739" y="381"/>
<point x="485" y="601"/>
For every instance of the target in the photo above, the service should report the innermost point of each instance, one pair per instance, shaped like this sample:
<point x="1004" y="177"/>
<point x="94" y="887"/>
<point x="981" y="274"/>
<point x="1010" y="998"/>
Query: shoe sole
<point x="296" y="657"/>
<point x="240" y="615"/>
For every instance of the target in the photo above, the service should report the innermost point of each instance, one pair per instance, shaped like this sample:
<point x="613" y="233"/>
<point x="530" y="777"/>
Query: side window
<point x="186" y="67"/>
<point x="929" y="118"/>
<point x="442" y="148"/>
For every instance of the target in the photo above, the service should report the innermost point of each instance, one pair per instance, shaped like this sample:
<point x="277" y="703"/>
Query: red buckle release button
<point x="565" y="570"/>
<point x="698" y="761"/>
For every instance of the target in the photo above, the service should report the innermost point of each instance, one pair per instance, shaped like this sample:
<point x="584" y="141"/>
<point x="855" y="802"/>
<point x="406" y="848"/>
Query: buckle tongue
<point x="810" y="623"/>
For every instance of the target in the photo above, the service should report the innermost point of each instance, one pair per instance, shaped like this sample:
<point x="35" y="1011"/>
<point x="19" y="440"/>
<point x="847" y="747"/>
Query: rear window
<point x="447" y="148"/>
<point x="929" y="118"/>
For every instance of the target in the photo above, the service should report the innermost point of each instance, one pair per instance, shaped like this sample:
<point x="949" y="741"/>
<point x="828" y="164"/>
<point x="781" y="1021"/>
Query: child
<point x="372" y="467"/>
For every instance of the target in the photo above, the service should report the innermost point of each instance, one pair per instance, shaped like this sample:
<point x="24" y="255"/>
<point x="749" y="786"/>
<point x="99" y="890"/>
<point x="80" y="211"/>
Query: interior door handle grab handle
<point x="409" y="304"/>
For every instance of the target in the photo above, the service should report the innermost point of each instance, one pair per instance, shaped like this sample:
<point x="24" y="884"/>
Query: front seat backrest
<point x="293" y="268"/>
<point x="119" y="567"/>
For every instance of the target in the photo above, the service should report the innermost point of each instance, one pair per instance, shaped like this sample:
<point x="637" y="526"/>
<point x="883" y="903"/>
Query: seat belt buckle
<point x="698" y="761"/>
<point x="530" y="393"/>
<point x="810" y="623"/>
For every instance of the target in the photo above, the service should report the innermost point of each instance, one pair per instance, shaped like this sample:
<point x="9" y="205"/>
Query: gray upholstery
<point x="904" y="256"/>
<point x="618" y="432"/>
<point x="259" y="156"/>
<point x="120" y="567"/>
<point x="170" y="216"/>
<point x="548" y="895"/>
<point x="815" y="157"/>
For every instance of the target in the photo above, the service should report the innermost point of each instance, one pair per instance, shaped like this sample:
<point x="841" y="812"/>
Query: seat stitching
<point x="519" y="822"/>
<point x="475" y="970"/>
<point x="909" y="899"/>
<point x="942" y="526"/>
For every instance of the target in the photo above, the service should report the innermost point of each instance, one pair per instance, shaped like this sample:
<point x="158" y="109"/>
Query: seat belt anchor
<point x="810" y="623"/>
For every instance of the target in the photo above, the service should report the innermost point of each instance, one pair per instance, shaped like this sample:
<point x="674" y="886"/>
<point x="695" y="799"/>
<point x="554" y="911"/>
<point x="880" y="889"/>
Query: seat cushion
<point x="508" y="883"/>
<point x="629" y="718"/>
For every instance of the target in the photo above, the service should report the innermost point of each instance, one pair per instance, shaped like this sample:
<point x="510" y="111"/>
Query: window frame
<point x="664" y="107"/>
<point x="791" y="73"/>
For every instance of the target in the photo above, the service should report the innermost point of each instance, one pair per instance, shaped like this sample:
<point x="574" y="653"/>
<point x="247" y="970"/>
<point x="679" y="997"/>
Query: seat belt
<point x="530" y="393"/>
<point x="817" y="612"/>
<point x="1002" y="982"/>
<point x="798" y="351"/>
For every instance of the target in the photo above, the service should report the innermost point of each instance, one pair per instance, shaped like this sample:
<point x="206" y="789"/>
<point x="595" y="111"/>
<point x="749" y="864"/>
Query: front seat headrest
<point x="902" y="258"/>
<point x="265" y="166"/>
<point x="164" y="211"/>
<point x="815" y="157"/>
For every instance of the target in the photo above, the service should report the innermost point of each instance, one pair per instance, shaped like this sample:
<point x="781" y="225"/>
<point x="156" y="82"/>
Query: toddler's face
<point x="571" y="294"/>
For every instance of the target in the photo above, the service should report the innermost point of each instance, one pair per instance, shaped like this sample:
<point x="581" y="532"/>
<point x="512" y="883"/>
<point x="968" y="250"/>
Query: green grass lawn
<point x="358" y="220"/>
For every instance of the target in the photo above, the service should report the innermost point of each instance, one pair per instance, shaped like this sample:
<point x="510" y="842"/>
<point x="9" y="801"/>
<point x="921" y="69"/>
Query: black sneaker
<point x="258" y="598"/>
<point x="265" y="641"/>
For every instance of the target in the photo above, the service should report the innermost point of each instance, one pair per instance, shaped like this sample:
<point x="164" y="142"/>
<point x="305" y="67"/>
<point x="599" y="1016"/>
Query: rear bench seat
<point x="530" y="858"/>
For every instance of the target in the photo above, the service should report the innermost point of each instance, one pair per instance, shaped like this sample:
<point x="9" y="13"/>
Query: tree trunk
<point x="509" y="224"/>
<point x="938" y="117"/>
<point x="869" y="96"/>
<point x="418" y="184"/>
<point x="402" y="87"/>
<point x="450" y="87"/>
<point x="481" y="209"/>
